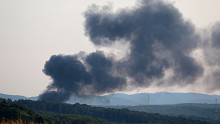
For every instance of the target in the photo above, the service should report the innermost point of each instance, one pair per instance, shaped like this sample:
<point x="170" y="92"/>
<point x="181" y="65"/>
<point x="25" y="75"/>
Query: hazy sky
<point x="33" y="30"/>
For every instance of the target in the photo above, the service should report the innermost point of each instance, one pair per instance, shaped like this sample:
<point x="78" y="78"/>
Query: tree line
<point x="49" y="109"/>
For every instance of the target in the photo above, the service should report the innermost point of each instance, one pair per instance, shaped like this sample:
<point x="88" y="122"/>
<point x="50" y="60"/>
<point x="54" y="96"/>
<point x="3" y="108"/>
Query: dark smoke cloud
<point x="159" y="39"/>
<point x="70" y="76"/>
<point x="150" y="24"/>
<point x="216" y="35"/>
<point x="100" y="70"/>
<point x="67" y="72"/>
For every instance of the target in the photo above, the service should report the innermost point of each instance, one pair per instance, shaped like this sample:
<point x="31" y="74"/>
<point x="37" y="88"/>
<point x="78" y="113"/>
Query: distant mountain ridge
<point x="160" y="98"/>
<point x="16" y="97"/>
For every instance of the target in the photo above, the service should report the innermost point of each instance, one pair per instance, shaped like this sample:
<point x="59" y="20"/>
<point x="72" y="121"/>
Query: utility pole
<point x="148" y="99"/>
<point x="216" y="110"/>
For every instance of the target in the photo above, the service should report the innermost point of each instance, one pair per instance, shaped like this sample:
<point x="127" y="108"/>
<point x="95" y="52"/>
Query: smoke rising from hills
<point x="160" y="39"/>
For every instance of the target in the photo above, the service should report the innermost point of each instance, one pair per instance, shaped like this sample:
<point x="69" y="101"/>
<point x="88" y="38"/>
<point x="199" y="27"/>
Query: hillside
<point x="13" y="114"/>
<point x="10" y="113"/>
<point x="208" y="112"/>
<point x="108" y="114"/>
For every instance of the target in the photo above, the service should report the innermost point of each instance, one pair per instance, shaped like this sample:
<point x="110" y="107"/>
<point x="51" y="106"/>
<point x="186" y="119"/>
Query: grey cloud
<point x="211" y="48"/>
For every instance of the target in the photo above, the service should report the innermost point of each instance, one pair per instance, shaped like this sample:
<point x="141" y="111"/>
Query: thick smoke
<point x="216" y="35"/>
<point x="150" y="27"/>
<point x="71" y="76"/>
<point x="159" y="39"/>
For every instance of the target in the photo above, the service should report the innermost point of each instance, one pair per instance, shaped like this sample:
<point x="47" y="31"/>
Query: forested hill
<point x="207" y="112"/>
<point x="17" y="114"/>
<point x="14" y="114"/>
<point x="108" y="114"/>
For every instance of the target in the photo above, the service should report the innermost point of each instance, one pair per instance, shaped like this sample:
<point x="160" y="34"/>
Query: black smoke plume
<point x="216" y="35"/>
<point x="152" y="28"/>
<point x="159" y="39"/>
<point x="71" y="76"/>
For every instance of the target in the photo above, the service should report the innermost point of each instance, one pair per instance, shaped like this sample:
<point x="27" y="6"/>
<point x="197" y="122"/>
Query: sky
<point x="31" y="31"/>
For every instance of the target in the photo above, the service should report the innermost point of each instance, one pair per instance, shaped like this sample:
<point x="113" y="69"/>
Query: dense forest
<point x="62" y="112"/>
<point x="196" y="111"/>
<point x="13" y="113"/>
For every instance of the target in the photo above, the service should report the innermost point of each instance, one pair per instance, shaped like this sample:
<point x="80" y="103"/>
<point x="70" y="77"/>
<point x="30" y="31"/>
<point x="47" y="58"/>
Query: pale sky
<point x="33" y="30"/>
